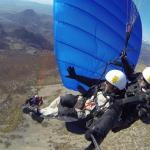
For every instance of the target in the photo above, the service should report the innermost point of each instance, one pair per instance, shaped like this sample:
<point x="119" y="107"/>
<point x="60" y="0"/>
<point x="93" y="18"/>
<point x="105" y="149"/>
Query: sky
<point x="144" y="9"/>
<point x="43" y="1"/>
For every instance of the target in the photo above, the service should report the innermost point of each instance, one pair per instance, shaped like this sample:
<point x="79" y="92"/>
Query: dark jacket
<point x="88" y="81"/>
<point x="129" y="70"/>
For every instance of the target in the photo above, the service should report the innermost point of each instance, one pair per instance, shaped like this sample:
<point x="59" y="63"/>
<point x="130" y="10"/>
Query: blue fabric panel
<point x="90" y="33"/>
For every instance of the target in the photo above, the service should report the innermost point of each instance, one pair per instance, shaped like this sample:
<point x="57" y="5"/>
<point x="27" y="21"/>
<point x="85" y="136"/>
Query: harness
<point x="136" y="96"/>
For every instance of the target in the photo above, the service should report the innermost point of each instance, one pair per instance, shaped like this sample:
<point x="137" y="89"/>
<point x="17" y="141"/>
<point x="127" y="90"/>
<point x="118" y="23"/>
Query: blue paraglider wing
<point x="91" y="33"/>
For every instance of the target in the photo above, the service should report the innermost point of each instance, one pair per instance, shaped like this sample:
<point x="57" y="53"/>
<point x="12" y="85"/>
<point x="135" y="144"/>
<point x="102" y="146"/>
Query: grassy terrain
<point x="21" y="75"/>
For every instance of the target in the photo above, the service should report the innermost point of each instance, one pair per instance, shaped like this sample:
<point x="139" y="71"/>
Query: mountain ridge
<point x="26" y="29"/>
<point x="20" y="5"/>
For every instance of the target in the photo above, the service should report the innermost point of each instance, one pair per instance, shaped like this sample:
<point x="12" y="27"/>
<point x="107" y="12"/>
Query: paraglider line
<point x="117" y="17"/>
<point x="87" y="13"/>
<point x="112" y="2"/>
<point x="98" y="39"/>
<point x="82" y="51"/>
<point x="97" y="19"/>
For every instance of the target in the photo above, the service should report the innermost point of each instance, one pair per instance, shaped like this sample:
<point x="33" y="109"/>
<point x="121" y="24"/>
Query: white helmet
<point x="146" y="74"/>
<point x="117" y="78"/>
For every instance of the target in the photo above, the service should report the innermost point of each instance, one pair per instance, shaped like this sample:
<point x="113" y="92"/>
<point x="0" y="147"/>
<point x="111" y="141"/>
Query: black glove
<point x="123" y="54"/>
<point x="82" y="90"/>
<point x="71" y="72"/>
<point x="93" y="132"/>
<point x="98" y="139"/>
<point x="88" y="134"/>
<point x="142" y="112"/>
<point x="94" y="144"/>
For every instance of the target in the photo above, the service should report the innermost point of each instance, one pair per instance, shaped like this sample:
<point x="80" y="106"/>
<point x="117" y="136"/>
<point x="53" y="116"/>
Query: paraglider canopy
<point x="91" y="33"/>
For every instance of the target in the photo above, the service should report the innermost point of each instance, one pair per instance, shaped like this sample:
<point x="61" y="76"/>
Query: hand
<point x="88" y="134"/>
<point x="142" y="112"/>
<point x="90" y="105"/>
<point x="82" y="90"/>
<point x="123" y="54"/>
<point x="71" y="72"/>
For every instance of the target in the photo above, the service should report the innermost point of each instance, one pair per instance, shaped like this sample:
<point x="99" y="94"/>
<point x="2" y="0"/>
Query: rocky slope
<point x="26" y="30"/>
<point x="53" y="135"/>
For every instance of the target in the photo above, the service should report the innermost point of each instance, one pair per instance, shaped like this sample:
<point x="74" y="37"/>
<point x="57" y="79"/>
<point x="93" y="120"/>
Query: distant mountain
<point x="20" y="5"/>
<point x="26" y="17"/>
<point x="31" y="21"/>
<point x="2" y="32"/>
<point x="26" y="30"/>
<point x="32" y="39"/>
<point x="23" y="40"/>
<point x="3" y="44"/>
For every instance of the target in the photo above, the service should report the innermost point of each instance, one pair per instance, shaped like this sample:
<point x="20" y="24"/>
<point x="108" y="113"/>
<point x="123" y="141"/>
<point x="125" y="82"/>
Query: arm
<point x="128" y="69"/>
<point x="85" y="80"/>
<point x="104" y="124"/>
<point x="82" y="90"/>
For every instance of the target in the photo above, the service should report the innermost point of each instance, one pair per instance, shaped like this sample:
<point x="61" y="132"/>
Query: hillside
<point x="38" y="23"/>
<point x="26" y="31"/>
<point x="20" y="5"/>
<point x="145" y="54"/>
